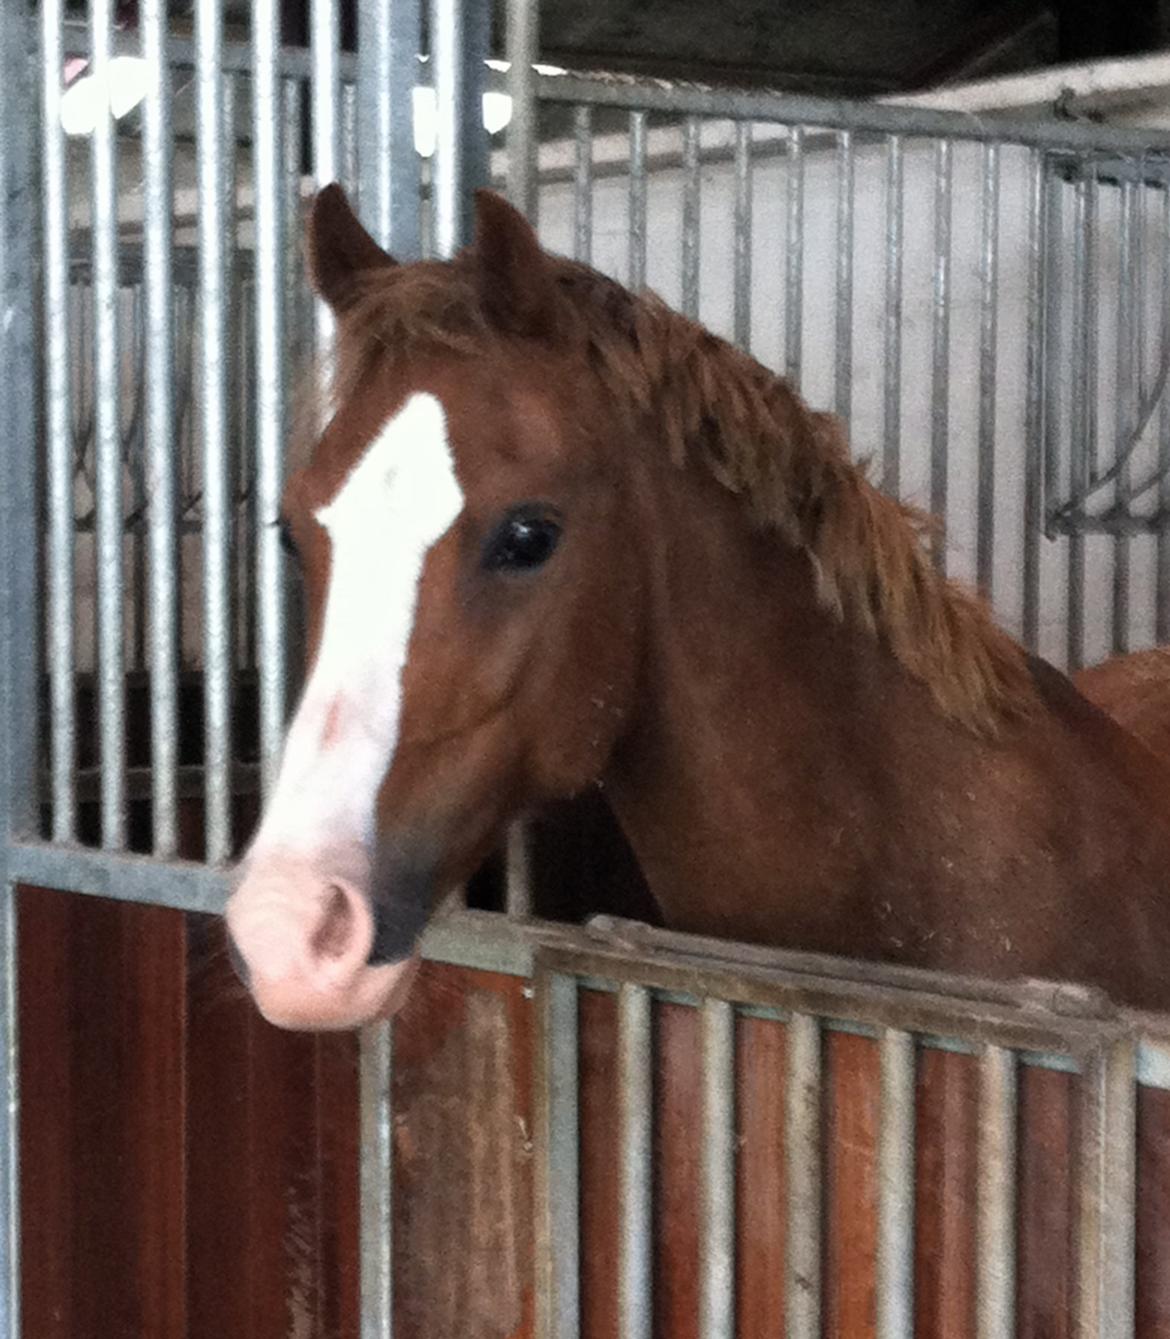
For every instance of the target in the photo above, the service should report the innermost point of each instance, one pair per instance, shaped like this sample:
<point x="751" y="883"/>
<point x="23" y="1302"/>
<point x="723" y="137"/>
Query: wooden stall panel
<point x="676" y="1140"/>
<point x="1047" y="1205"/>
<point x="599" y="1124"/>
<point x="1153" y="1214"/>
<point x="463" y="1157"/>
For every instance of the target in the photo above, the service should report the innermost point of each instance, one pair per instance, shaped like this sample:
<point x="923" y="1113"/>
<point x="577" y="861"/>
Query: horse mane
<point x="713" y="404"/>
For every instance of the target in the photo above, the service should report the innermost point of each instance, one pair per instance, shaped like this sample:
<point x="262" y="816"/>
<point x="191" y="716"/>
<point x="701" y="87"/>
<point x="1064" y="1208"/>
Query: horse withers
<point x="556" y="536"/>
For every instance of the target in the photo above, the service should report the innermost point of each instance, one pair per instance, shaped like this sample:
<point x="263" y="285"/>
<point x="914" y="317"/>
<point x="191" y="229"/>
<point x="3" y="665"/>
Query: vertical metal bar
<point x="794" y="257"/>
<point x="690" y="217"/>
<point x="941" y="348"/>
<point x="1162" y="582"/>
<point x="1124" y="402"/>
<point x="802" y="1142"/>
<point x="637" y="271"/>
<point x="843" y="358"/>
<point x="388" y="43"/>
<point x="995" y="1300"/>
<point x="518" y="872"/>
<point x="988" y="333"/>
<point x="324" y="42"/>
<point x="1084" y="398"/>
<point x="583" y="184"/>
<point x="1107" y="1194"/>
<point x="19" y="590"/>
<point x="271" y="401"/>
<point x="377" y="1184"/>
<point x="635" y="1164"/>
<point x="1034" y="424"/>
<point x="895" y="1247"/>
<point x="59" y="429"/>
<point x="892" y="409"/>
<point x="447" y="165"/>
<point x="743" y="235"/>
<point x="160" y="441"/>
<point x="717" y="1247"/>
<point x="213" y="406"/>
<point x="108" y="441"/>
<point x="349" y="139"/>
<point x="523" y="44"/>
<point x="556" y="1176"/>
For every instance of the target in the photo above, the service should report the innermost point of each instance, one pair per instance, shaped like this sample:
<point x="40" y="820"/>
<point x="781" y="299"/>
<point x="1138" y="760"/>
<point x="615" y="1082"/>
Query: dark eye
<point x="520" y="542"/>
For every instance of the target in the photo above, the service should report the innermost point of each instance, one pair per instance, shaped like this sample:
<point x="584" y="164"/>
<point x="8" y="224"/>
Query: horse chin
<point x="379" y="994"/>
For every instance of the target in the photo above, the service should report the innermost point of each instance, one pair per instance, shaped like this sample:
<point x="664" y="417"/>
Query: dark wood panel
<point x="1153" y="1214"/>
<point x="1047" y="1200"/>
<point x="677" y="1135"/>
<point x="599" y="1124"/>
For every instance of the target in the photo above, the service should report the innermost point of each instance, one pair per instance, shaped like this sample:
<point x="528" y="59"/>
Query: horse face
<point x="473" y="605"/>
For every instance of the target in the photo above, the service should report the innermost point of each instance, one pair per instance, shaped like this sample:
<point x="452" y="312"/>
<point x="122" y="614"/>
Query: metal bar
<point x="213" y="421"/>
<point x="843" y="357"/>
<point x="583" y="184"/>
<point x="995" y="1299"/>
<point x="59" y="429"/>
<point x="941" y="348"/>
<point x="1124" y="402"/>
<point x="349" y="140"/>
<point x="988" y="334"/>
<point x="895" y="1247"/>
<point x="556" y="1176"/>
<point x="635" y="1164"/>
<point x="1035" y="427"/>
<point x="324" y="46"/>
<point x="717" y="1246"/>
<point x="271" y="389"/>
<point x="1080" y="429"/>
<point x="447" y="165"/>
<point x="377" y="1181"/>
<point x="120" y="876"/>
<point x="743" y="236"/>
<point x="108" y="451"/>
<point x="1162" y="579"/>
<point x="637" y="259"/>
<point x="892" y="406"/>
<point x="160" y="443"/>
<point x="523" y="43"/>
<point x="794" y="257"/>
<point x="1107" y="1194"/>
<point x="389" y="36"/>
<point x="690" y="217"/>
<point x="518" y="872"/>
<point x="802" y="1287"/>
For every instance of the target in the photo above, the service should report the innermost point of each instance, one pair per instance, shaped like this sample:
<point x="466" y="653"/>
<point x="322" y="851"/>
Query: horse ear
<point x="339" y="248"/>
<point x="517" y="288"/>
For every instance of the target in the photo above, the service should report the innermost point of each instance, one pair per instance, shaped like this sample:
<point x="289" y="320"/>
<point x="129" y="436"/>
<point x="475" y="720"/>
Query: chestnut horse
<point x="556" y="537"/>
<point x="1135" y="690"/>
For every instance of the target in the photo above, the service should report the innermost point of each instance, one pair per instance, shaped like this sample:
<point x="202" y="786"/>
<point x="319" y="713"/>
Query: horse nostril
<point x="331" y="938"/>
<point x="239" y="966"/>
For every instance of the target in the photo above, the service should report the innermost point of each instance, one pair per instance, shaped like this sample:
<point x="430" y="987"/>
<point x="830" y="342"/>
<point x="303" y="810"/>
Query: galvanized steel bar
<point x="995" y="1296"/>
<point x="637" y="257"/>
<point x="271" y="423"/>
<point x="1126" y="394"/>
<point x="802" y="1144"/>
<point x="556" y="1178"/>
<point x="1162" y="579"/>
<point x="19" y="590"/>
<point x="843" y="356"/>
<point x="160" y="441"/>
<point x="213" y="422"/>
<point x="377" y="1181"/>
<point x="324" y="47"/>
<point x="108" y="450"/>
<point x="348" y="174"/>
<point x="635" y="1164"/>
<point x="691" y="220"/>
<point x="518" y="872"/>
<point x="583" y="184"/>
<point x="988" y="335"/>
<point x="1107" y="1194"/>
<point x="717" y="1244"/>
<point x="794" y="257"/>
<point x="523" y="46"/>
<point x="389" y="33"/>
<point x="447" y="164"/>
<point x="895" y="1245"/>
<point x="119" y="876"/>
<point x="59" y="430"/>
<point x="940" y="402"/>
<point x="1035" y="427"/>
<point x="742" y="225"/>
<point x="892" y="378"/>
<point x="1083" y="403"/>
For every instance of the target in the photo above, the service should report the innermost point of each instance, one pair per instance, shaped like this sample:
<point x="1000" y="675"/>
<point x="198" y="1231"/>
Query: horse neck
<point x="788" y="782"/>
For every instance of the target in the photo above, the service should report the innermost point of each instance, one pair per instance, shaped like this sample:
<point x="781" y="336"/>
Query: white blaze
<point x="397" y="502"/>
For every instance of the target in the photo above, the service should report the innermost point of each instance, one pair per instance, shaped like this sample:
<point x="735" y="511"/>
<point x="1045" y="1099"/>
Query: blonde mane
<point x="714" y="405"/>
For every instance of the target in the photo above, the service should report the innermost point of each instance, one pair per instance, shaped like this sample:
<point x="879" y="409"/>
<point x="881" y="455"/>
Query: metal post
<point x="324" y="42"/>
<point x="691" y="220"/>
<point x="377" y="1182"/>
<point x="523" y="42"/>
<point x="988" y="333"/>
<point x="895" y="1262"/>
<point x="717" y="1245"/>
<point x="635" y="1168"/>
<point x="892" y="412"/>
<point x="583" y="184"/>
<point x="1126" y="393"/>
<point x="995" y="1301"/>
<point x="637" y="257"/>
<point x="742" y="319"/>
<point x="1035" y="427"/>
<point x="794" y="258"/>
<point x="843" y="360"/>
<point x="802" y="1286"/>
<point x="448" y="175"/>
<point x="941" y="348"/>
<point x="388" y="191"/>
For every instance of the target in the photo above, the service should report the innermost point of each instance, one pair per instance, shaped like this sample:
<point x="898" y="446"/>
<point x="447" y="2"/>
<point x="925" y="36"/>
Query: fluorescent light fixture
<point x="114" y="92"/>
<point x="497" y="112"/>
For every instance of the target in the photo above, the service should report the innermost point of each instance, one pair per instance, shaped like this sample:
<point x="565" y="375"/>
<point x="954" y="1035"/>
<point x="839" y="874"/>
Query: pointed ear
<point x="339" y="248"/>
<point x="517" y="288"/>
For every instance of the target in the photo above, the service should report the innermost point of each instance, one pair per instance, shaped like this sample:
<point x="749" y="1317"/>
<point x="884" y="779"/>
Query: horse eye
<point x="521" y="542"/>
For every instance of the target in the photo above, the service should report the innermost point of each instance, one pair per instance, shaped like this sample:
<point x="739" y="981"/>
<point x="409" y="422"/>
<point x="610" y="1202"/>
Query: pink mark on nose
<point x="332" y="727"/>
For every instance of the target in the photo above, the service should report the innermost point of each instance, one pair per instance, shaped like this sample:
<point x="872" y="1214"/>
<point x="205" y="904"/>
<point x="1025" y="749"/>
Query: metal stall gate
<point x="985" y="302"/>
